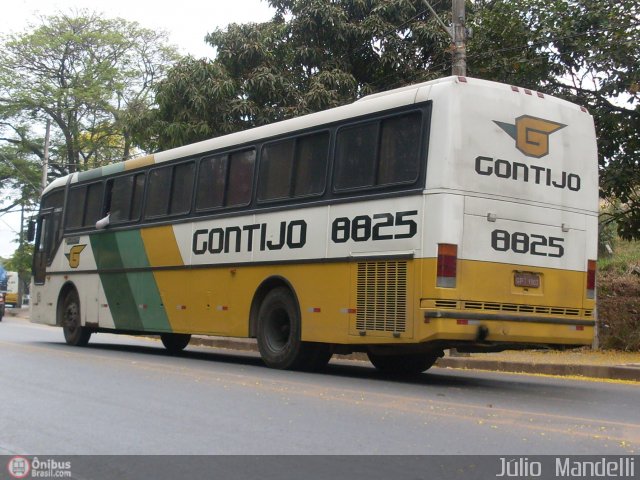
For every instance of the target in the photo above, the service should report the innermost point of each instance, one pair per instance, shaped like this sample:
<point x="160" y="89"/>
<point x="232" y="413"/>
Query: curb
<point x="618" y="372"/>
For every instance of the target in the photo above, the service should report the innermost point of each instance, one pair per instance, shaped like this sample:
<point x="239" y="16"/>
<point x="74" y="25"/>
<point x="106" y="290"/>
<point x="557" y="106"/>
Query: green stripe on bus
<point x="90" y="174"/>
<point x="113" y="168"/>
<point x="133" y="298"/>
<point x="143" y="284"/>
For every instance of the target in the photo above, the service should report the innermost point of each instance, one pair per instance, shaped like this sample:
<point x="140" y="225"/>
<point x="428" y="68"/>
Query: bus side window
<point x="93" y="209"/>
<point x="137" y="196"/>
<point x="400" y="149"/>
<point x="75" y="207"/>
<point x="158" y="192"/>
<point x="384" y="152"/>
<point x="240" y="185"/>
<point x="212" y="176"/>
<point x="126" y="198"/>
<point x="276" y="164"/>
<point x="84" y="205"/>
<point x="356" y="156"/>
<point x="312" y="155"/>
<point x="294" y="167"/>
<point x="182" y="188"/>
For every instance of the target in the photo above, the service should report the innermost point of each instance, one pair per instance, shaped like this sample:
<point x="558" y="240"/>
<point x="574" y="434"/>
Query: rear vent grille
<point x="513" y="307"/>
<point x="446" y="304"/>
<point x="588" y="313"/>
<point x="382" y="296"/>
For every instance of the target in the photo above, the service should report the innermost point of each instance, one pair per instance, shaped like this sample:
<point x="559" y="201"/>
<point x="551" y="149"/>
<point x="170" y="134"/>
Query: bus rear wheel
<point x="175" y="342"/>
<point x="408" y="363"/>
<point x="279" y="332"/>
<point x="74" y="333"/>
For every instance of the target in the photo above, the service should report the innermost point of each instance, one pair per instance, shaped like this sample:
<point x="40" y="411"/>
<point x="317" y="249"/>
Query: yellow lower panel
<point x="217" y="301"/>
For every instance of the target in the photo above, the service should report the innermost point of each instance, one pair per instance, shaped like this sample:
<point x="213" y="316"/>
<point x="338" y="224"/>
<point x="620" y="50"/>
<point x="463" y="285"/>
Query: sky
<point x="186" y="21"/>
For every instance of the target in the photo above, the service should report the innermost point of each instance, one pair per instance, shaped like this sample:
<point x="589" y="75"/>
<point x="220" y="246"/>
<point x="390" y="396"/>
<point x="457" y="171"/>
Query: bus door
<point x="47" y="241"/>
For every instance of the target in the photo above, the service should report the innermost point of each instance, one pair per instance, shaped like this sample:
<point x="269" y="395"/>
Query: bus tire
<point x="408" y="363"/>
<point x="175" y="342"/>
<point x="74" y="333"/>
<point x="279" y="332"/>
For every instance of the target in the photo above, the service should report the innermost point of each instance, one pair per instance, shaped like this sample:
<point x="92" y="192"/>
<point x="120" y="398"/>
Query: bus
<point x="457" y="213"/>
<point x="11" y="295"/>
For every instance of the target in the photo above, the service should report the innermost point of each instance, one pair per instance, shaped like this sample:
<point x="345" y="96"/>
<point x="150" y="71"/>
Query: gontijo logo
<point x="74" y="255"/>
<point x="531" y="134"/>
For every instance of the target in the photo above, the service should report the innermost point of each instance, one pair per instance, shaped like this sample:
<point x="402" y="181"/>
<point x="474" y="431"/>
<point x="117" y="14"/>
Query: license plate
<point x="527" y="280"/>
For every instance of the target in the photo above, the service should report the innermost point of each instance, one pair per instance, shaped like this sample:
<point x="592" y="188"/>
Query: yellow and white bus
<point x="11" y="295"/>
<point x="457" y="213"/>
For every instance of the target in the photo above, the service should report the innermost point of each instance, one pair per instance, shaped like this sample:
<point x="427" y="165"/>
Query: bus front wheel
<point x="408" y="363"/>
<point x="279" y="332"/>
<point x="175" y="342"/>
<point x="74" y="333"/>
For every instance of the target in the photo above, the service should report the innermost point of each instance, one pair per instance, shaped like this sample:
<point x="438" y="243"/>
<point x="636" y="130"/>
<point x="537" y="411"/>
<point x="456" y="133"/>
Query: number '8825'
<point x="533" y="244"/>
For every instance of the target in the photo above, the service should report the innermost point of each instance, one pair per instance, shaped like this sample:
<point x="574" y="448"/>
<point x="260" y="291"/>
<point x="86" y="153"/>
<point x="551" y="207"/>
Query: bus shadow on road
<point x="338" y="368"/>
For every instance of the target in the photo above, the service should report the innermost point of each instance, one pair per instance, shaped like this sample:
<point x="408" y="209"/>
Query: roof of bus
<point x="370" y="104"/>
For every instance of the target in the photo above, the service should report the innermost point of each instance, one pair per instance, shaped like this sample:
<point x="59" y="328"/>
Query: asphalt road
<point x="124" y="395"/>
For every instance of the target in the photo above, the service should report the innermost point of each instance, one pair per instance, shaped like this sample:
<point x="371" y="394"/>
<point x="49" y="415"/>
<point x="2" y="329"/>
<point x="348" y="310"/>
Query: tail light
<point x="447" y="265"/>
<point x="591" y="279"/>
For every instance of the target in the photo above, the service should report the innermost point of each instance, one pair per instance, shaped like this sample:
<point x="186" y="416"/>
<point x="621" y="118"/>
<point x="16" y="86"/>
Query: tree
<point x="590" y="50"/>
<point x="19" y="178"/>
<point x="311" y="56"/>
<point x="316" y="54"/>
<point x="89" y="76"/>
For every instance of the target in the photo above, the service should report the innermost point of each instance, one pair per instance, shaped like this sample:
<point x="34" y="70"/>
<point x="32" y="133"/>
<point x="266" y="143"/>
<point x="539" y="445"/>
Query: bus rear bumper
<point x="485" y="329"/>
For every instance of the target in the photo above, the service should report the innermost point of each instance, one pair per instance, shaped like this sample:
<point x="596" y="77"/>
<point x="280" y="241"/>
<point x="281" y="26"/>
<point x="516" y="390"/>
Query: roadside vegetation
<point x="619" y="296"/>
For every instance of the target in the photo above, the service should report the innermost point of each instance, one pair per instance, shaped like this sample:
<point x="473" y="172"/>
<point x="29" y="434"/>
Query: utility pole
<point x="459" y="31"/>
<point x="45" y="156"/>
<point x="458" y="34"/>
<point x="21" y="252"/>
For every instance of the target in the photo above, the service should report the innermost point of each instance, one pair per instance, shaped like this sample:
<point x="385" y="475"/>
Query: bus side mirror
<point x="31" y="230"/>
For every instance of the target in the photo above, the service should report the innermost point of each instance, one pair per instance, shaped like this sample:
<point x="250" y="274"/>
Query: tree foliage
<point x="592" y="51"/>
<point x="312" y="55"/>
<point x="86" y="74"/>
<point x="316" y="54"/>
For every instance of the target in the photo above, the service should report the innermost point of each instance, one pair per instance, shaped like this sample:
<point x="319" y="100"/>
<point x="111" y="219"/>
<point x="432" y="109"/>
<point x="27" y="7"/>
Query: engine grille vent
<point x="512" y="307"/>
<point x="382" y="296"/>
